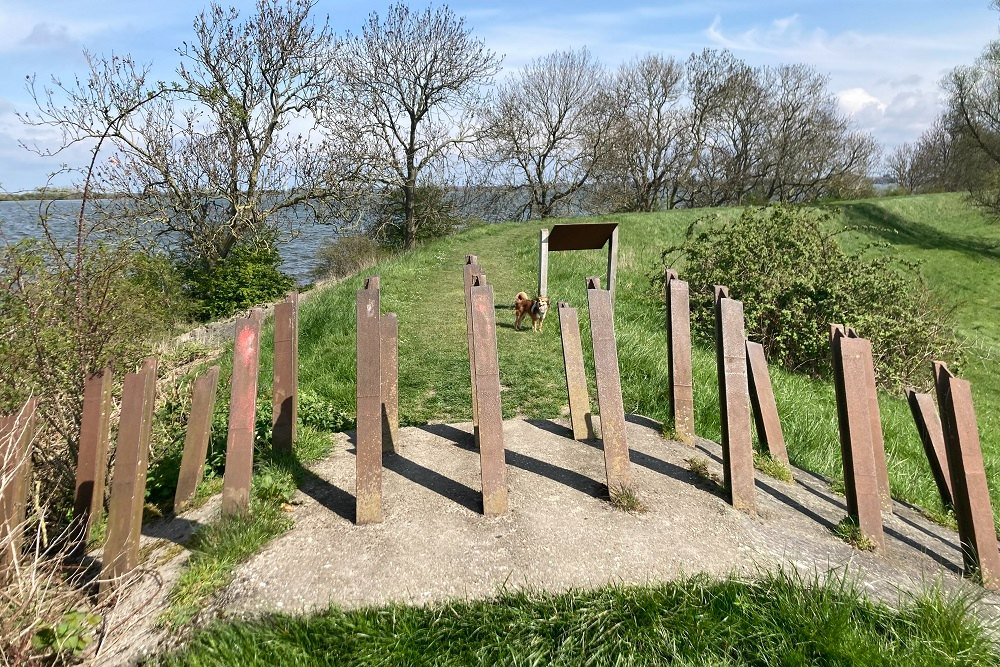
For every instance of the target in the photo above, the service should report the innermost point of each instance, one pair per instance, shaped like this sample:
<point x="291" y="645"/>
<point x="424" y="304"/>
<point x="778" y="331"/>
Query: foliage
<point x="434" y="212"/>
<point x="250" y="276"/>
<point x="66" y="313"/>
<point x="772" y="467"/>
<point x="346" y="255"/>
<point x="70" y="636"/>
<point x="778" y="618"/>
<point x="849" y="531"/>
<point x="408" y="86"/>
<point x="794" y="279"/>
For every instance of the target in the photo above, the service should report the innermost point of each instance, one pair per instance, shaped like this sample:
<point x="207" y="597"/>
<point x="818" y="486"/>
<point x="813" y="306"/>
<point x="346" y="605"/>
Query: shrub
<point x="346" y="255"/>
<point x="249" y="276"/>
<point x="794" y="279"/>
<point x="435" y="212"/>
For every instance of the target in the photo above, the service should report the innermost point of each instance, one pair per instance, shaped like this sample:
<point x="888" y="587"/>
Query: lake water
<point x="19" y="220"/>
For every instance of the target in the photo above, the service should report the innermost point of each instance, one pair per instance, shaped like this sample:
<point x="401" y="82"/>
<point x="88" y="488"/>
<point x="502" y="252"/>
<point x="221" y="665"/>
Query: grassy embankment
<point x="961" y="263"/>
<point x="425" y="288"/>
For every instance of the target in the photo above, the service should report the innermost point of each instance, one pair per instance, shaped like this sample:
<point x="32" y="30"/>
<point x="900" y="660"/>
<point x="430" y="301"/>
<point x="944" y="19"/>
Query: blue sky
<point x="885" y="58"/>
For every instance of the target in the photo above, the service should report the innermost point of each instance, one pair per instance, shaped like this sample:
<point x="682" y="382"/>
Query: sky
<point x="884" y="58"/>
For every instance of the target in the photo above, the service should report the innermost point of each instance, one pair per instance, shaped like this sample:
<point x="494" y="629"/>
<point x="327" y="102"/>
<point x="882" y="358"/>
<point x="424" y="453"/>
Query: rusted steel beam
<point x="92" y="460"/>
<point x="17" y="431"/>
<point x="470" y="271"/>
<point x="875" y="417"/>
<point x="609" y="389"/>
<point x="368" y="492"/>
<point x="491" y="445"/>
<point x="580" y="416"/>
<point x="242" y="418"/>
<point x="928" y="422"/>
<point x="128" y="481"/>
<point x="976" y="529"/>
<point x="860" y="477"/>
<point x="765" y="408"/>
<point x="285" y="385"/>
<point x="680" y="384"/>
<point x="199" y="431"/>
<point x="389" y="359"/>
<point x="734" y="401"/>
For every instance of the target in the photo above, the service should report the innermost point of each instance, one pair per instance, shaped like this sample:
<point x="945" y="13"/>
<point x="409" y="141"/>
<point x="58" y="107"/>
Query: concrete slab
<point x="560" y="532"/>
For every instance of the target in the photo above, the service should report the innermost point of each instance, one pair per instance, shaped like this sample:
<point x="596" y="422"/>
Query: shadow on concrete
<point x="923" y="529"/>
<point x="794" y="504"/>
<point x="456" y="436"/>
<point x="332" y="497"/>
<point x="552" y="427"/>
<point x="823" y="496"/>
<point x="570" y="478"/>
<point x="455" y="491"/>
<point x="178" y="530"/>
<point x="913" y="544"/>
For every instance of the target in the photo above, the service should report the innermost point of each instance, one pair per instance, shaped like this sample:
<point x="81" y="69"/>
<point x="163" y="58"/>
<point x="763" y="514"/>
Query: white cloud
<point x="857" y="100"/>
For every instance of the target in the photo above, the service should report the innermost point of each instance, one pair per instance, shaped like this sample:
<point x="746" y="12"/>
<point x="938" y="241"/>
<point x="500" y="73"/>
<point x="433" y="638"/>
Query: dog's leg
<point x="517" y="321"/>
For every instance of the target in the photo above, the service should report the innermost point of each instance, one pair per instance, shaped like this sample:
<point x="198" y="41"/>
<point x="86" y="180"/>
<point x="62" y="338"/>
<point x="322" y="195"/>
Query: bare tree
<point x="213" y="159"/>
<point x="901" y="163"/>
<point x="547" y="128"/>
<point x="649" y="141"/>
<point x="409" y="84"/>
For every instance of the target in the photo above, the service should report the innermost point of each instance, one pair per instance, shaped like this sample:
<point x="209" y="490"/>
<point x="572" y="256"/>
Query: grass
<point x="849" y="531"/>
<point x="771" y="467"/>
<point x="776" y="619"/>
<point x="424" y="287"/>
<point x="625" y="499"/>
<point x="218" y="547"/>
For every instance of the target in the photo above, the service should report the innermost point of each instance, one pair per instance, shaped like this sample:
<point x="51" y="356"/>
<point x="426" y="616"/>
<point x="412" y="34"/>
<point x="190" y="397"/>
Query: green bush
<point x="794" y="279"/>
<point x="346" y="255"/>
<point x="249" y="276"/>
<point x="435" y="212"/>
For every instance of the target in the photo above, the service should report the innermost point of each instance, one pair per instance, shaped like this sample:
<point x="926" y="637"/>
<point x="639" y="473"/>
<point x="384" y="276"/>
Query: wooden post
<point x="199" y="431"/>
<point x="128" y="481"/>
<point x="471" y="270"/>
<point x="285" y="385"/>
<point x="765" y="408"/>
<point x="491" y="446"/>
<point x="242" y="418"/>
<point x="580" y="416"/>
<point x="92" y="460"/>
<point x="680" y="384"/>
<point x="389" y="359"/>
<point x="609" y="389"/>
<point x="17" y="432"/>
<point x="875" y="418"/>
<point x="734" y="400"/>
<point x="860" y="477"/>
<point x="973" y="509"/>
<point x="368" y="491"/>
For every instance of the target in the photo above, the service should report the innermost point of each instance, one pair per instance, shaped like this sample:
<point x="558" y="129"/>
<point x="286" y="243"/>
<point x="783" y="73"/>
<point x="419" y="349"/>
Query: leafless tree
<point x="409" y="85"/>
<point x="215" y="158"/>
<point x="547" y="128"/>
<point x="649" y="142"/>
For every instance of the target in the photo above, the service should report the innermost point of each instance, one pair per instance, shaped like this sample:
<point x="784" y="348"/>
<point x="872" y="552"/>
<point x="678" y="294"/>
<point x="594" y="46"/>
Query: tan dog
<point x="536" y="308"/>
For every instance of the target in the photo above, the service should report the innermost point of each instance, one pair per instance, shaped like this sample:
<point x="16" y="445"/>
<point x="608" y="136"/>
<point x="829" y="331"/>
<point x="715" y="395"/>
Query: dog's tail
<point x="521" y="296"/>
